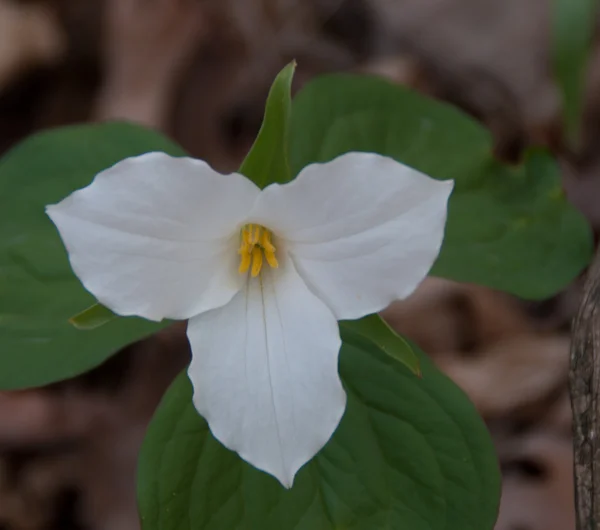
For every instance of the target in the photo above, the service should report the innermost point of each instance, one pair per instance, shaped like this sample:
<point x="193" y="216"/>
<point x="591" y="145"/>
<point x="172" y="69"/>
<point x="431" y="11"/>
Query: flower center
<point x="256" y="244"/>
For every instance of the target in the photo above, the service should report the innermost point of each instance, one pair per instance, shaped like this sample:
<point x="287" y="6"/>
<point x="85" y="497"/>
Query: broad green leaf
<point x="573" y="23"/>
<point x="509" y="228"/>
<point x="378" y="331"/>
<point x="267" y="161"/>
<point x="38" y="291"/>
<point x="409" y="453"/>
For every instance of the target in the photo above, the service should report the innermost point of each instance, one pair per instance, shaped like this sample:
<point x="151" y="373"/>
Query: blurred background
<point x="199" y="70"/>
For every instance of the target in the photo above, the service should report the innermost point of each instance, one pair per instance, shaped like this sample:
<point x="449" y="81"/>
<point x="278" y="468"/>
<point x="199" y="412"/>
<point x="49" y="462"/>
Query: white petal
<point x="265" y="373"/>
<point x="363" y="230"/>
<point x="157" y="236"/>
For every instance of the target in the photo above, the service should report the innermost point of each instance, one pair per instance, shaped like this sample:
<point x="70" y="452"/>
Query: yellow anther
<point x="256" y="237"/>
<point x="247" y="236"/>
<point x="265" y="242"/>
<point x="271" y="259"/>
<point x="244" y="261"/>
<point x="257" y="261"/>
<point x="255" y="248"/>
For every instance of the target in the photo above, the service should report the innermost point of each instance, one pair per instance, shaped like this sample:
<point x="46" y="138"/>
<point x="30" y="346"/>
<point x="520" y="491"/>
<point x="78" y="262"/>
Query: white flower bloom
<point x="262" y="275"/>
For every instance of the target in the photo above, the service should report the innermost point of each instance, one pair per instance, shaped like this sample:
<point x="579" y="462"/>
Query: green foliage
<point x="267" y="161"/>
<point x="409" y="453"/>
<point x="386" y="339"/>
<point x="573" y="28"/>
<point x="509" y="228"/>
<point x="38" y="290"/>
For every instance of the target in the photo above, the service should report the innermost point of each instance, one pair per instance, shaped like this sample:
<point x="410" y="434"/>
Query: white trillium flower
<point x="262" y="275"/>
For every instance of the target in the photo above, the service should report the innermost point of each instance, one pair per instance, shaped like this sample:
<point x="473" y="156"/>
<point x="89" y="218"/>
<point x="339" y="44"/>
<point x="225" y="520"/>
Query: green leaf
<point x="38" y="291"/>
<point x="374" y="328"/>
<point x="573" y="29"/>
<point x="509" y="228"/>
<point x="267" y="161"/>
<point x="409" y="453"/>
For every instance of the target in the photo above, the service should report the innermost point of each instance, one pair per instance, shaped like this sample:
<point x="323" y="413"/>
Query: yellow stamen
<point x="244" y="262"/>
<point x="255" y="248"/>
<point x="256" y="237"/>
<point x="244" y="246"/>
<point x="271" y="259"/>
<point x="257" y="261"/>
<point x="265" y="242"/>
